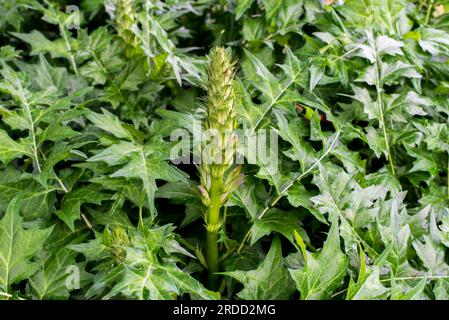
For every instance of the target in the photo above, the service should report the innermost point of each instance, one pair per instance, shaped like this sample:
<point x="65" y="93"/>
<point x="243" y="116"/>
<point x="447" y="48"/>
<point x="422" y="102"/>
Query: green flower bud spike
<point x="124" y="19"/>
<point x="117" y="240"/>
<point x="219" y="178"/>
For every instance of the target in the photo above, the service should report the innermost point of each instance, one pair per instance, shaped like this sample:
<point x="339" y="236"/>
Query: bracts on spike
<point x="219" y="177"/>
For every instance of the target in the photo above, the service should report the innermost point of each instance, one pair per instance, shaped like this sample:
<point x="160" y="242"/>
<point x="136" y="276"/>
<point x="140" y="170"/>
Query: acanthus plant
<point x="93" y="205"/>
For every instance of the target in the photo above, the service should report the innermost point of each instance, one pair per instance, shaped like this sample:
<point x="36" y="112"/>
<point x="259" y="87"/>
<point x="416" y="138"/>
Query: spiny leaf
<point x="10" y="149"/>
<point x="17" y="247"/>
<point x="269" y="281"/>
<point x="323" y="271"/>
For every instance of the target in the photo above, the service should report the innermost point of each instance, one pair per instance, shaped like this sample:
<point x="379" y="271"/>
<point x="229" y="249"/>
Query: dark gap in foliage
<point x="356" y="144"/>
<point x="375" y="164"/>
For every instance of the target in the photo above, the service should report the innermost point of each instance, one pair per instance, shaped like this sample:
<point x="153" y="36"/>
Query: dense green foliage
<point x="93" y="207"/>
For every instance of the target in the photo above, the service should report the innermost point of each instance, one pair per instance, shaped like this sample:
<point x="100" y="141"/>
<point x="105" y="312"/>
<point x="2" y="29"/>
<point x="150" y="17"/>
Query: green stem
<point x="341" y="24"/>
<point x="382" y="118"/>
<point x="212" y="256"/>
<point x="213" y="225"/>
<point x="344" y="55"/>
<point x="64" y="35"/>
<point x="429" y="11"/>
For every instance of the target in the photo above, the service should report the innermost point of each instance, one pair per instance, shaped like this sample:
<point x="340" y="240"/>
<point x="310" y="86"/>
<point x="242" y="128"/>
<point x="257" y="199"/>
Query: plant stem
<point x="384" y="129"/>
<point x="340" y="23"/>
<point x="64" y="35"/>
<point x="213" y="225"/>
<point x="381" y="112"/>
<point x="344" y="55"/>
<point x="429" y="11"/>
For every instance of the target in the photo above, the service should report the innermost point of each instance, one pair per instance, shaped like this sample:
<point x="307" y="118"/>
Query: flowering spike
<point x="125" y="18"/>
<point x="217" y="156"/>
